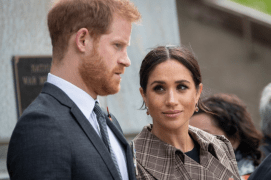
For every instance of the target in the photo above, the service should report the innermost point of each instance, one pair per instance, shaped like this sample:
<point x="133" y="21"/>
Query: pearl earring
<point x="148" y="113"/>
<point x="197" y="108"/>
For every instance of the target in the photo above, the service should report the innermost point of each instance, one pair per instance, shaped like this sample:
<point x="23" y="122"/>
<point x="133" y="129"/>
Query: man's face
<point x="101" y="69"/>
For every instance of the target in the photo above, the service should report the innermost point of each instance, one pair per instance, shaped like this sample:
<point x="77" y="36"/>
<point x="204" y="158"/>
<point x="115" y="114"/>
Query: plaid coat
<point x="157" y="160"/>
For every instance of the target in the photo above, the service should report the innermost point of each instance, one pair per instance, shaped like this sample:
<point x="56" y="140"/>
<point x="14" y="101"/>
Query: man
<point x="64" y="134"/>
<point x="265" y="113"/>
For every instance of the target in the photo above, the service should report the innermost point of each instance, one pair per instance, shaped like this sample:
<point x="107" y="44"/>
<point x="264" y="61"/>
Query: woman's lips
<point x="172" y="113"/>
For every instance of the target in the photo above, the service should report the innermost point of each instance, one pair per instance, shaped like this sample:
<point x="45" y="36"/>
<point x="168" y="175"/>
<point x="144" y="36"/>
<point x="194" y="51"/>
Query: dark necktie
<point x="103" y="129"/>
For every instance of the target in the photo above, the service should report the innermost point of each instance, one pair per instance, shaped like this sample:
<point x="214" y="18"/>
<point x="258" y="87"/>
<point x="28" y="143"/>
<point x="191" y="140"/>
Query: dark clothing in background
<point x="266" y="147"/>
<point x="54" y="140"/>
<point x="263" y="172"/>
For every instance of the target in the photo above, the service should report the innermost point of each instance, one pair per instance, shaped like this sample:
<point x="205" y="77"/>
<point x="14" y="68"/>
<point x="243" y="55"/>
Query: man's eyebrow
<point x="121" y="41"/>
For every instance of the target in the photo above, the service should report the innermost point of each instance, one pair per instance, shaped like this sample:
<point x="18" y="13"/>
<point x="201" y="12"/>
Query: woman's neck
<point x="178" y="138"/>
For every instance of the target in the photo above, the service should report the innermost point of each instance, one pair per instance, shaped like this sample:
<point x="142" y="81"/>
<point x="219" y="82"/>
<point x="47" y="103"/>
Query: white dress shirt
<point x="86" y="104"/>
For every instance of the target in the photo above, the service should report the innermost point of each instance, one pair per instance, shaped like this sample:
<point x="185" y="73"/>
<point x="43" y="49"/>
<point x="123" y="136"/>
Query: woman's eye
<point x="158" y="88"/>
<point x="181" y="87"/>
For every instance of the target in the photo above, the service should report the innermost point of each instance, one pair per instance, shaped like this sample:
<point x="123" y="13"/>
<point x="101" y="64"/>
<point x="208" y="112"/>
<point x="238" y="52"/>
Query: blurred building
<point x="233" y="46"/>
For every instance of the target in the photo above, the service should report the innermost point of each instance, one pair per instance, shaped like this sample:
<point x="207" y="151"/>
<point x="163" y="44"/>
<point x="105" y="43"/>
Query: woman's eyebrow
<point x="159" y="82"/>
<point x="182" y="81"/>
<point x="163" y="82"/>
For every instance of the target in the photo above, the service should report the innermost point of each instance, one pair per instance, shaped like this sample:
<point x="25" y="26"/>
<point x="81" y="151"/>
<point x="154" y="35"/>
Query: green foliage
<point x="260" y="5"/>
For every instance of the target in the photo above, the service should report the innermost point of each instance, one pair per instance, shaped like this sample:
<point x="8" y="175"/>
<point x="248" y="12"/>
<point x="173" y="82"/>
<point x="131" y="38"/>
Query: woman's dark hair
<point x="161" y="54"/>
<point x="230" y="115"/>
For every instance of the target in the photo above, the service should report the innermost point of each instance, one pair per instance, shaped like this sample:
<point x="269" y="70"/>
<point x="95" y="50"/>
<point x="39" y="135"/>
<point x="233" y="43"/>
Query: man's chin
<point x="110" y="91"/>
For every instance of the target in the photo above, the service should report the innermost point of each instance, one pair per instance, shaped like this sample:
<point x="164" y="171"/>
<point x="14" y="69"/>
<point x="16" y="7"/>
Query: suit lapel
<point x="85" y="126"/>
<point x="96" y="140"/>
<point x="128" y="151"/>
<point x="116" y="131"/>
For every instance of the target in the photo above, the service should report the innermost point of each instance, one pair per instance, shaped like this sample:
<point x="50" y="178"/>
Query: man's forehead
<point x="57" y="2"/>
<point x="120" y="30"/>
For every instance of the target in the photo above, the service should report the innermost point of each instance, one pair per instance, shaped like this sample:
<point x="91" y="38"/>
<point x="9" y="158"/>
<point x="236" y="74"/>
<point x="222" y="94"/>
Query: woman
<point x="231" y="119"/>
<point x="169" y="148"/>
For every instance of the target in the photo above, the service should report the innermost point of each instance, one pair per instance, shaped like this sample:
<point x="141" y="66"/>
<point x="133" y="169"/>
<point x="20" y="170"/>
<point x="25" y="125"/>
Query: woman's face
<point x="171" y="95"/>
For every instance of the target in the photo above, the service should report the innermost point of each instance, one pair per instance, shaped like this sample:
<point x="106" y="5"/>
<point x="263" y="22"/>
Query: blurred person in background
<point x="229" y="117"/>
<point x="170" y="85"/>
<point x="263" y="171"/>
<point x="265" y="113"/>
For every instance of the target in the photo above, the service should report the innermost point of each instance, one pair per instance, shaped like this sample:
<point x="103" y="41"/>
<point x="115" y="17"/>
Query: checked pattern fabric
<point x="103" y="129"/>
<point x="157" y="160"/>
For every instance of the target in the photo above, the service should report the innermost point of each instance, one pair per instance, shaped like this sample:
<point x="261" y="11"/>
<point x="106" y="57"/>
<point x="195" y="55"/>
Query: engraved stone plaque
<point x="30" y="73"/>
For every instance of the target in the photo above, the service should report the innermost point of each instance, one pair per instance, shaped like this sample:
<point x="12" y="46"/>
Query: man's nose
<point x="125" y="60"/>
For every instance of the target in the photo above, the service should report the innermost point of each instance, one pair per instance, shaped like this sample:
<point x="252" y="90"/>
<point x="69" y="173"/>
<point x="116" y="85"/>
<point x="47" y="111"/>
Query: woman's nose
<point x="171" y="99"/>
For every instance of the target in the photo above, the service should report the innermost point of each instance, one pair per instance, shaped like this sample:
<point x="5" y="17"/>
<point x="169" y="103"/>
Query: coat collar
<point x="150" y="149"/>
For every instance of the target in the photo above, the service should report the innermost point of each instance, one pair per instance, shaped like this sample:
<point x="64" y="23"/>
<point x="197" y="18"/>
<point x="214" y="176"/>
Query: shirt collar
<point x="82" y="99"/>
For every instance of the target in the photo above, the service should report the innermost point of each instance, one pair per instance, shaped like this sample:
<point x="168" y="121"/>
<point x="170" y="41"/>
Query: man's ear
<point x="82" y="39"/>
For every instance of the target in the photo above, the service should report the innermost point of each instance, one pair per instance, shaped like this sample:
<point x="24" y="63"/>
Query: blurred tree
<point x="260" y="5"/>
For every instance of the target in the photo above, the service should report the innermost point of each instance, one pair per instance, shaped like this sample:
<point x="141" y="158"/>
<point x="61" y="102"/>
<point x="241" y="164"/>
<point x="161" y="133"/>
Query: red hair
<point x="68" y="16"/>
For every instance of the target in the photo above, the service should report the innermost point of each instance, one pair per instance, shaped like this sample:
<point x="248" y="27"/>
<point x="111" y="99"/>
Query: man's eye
<point x="118" y="45"/>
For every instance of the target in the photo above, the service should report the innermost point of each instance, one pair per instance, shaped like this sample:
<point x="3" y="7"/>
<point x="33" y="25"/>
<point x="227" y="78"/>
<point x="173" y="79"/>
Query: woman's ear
<point x="199" y="92"/>
<point x="143" y="94"/>
<point x="82" y="39"/>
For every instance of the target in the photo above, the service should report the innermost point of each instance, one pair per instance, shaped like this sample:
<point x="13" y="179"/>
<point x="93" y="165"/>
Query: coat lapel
<point x="154" y="155"/>
<point x="212" y="153"/>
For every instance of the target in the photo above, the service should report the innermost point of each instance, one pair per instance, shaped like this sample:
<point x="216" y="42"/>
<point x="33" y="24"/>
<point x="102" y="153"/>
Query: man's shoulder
<point x="45" y="111"/>
<point x="43" y="104"/>
<point x="50" y="100"/>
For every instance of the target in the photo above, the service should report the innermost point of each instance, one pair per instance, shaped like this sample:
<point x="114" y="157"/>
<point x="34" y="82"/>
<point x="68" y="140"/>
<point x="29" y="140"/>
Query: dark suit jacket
<point x="263" y="171"/>
<point x="53" y="140"/>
